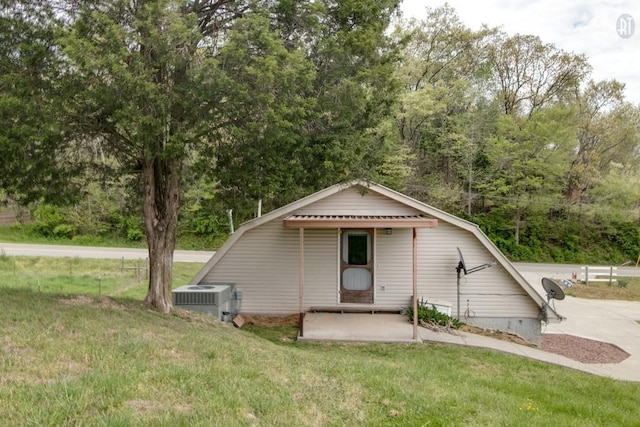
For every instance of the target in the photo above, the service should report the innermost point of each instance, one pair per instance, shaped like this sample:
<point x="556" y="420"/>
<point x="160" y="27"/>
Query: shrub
<point x="47" y="217"/>
<point x="134" y="234"/>
<point x="428" y="313"/>
<point x="64" y="231"/>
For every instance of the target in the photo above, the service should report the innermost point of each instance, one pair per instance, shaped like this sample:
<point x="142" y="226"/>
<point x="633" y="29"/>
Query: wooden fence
<point x="598" y="274"/>
<point x="10" y="218"/>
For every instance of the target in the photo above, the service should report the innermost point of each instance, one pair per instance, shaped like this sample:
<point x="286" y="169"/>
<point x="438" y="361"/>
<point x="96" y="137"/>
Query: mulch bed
<point x="583" y="349"/>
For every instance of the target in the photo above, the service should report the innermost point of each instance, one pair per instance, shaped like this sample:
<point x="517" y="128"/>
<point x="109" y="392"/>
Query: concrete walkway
<point x="613" y="322"/>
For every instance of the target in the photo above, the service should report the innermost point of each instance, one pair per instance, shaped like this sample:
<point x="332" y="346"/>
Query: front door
<point x="356" y="266"/>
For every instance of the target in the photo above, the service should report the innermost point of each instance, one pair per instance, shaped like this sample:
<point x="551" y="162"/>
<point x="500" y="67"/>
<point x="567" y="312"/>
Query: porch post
<point x="415" y="284"/>
<point x="301" y="283"/>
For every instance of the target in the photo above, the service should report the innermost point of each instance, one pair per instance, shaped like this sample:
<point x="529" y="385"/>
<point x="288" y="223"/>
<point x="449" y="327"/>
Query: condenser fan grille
<point x="195" y="298"/>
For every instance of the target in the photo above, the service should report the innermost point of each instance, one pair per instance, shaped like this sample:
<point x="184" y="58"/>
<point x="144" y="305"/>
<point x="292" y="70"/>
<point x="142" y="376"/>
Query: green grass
<point x="625" y="289"/>
<point x="83" y="275"/>
<point x="69" y="356"/>
<point x="78" y="360"/>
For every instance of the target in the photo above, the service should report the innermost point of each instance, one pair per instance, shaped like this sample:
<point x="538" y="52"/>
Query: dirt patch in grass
<point x="150" y="406"/>
<point x="102" y="302"/>
<point x="268" y="321"/>
<point x="504" y="336"/>
<point x="143" y="406"/>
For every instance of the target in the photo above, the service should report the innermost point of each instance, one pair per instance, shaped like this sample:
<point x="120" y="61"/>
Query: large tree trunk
<point x="161" y="200"/>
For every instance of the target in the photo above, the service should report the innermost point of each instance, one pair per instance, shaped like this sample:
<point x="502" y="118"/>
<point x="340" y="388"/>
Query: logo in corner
<point x="625" y="26"/>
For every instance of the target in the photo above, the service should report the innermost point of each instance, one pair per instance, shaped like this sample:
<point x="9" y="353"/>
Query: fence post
<point x="586" y="275"/>
<point x="122" y="266"/>
<point x="610" y="275"/>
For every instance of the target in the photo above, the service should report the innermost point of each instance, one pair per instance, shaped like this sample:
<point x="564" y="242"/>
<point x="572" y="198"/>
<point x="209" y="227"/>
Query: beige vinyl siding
<point x="264" y="265"/>
<point x="490" y="292"/>
<point x="320" y="268"/>
<point x="351" y="202"/>
<point x="394" y="268"/>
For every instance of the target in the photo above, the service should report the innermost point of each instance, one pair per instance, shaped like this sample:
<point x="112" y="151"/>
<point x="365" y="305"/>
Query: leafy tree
<point x="618" y="193"/>
<point x="530" y="74"/>
<point x="33" y="165"/>
<point x="149" y="89"/>
<point x="139" y="79"/>
<point x="608" y="134"/>
<point x="442" y="70"/>
<point x="528" y="159"/>
<point x="325" y="95"/>
<point x="260" y="158"/>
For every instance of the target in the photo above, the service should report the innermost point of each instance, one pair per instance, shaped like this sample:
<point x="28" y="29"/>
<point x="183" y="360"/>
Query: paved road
<point x="19" y="249"/>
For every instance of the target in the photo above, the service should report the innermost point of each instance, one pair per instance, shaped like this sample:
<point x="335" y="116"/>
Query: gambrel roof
<point x="288" y="215"/>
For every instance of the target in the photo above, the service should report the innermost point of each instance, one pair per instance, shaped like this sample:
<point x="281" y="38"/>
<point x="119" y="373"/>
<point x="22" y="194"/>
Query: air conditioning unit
<point x="217" y="299"/>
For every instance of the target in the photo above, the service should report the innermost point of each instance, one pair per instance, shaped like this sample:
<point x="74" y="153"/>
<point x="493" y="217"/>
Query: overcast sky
<point x="588" y="26"/>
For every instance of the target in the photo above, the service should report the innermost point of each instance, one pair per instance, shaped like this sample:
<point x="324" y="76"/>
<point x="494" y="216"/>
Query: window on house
<point x="358" y="249"/>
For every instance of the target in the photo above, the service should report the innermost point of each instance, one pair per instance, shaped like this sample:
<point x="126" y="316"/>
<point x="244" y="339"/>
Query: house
<point x="361" y="246"/>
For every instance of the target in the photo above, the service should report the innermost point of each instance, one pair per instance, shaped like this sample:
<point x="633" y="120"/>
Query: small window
<point x="358" y="250"/>
<point x="356" y="247"/>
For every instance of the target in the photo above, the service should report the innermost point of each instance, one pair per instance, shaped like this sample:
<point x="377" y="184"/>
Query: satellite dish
<point x="462" y="267"/>
<point x="461" y="264"/>
<point x="553" y="290"/>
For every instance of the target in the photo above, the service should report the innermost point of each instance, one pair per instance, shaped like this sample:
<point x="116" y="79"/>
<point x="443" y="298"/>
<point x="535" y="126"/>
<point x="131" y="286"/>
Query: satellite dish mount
<point x="462" y="268"/>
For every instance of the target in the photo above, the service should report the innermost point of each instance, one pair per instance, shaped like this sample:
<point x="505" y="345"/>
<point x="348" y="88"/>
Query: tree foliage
<point x="325" y="83"/>
<point x="33" y="165"/>
<point x="530" y="74"/>
<point x="175" y="111"/>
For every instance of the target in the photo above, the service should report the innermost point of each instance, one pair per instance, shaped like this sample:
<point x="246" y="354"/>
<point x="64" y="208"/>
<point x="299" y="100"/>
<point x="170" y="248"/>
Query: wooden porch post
<point x="301" y="283"/>
<point x="415" y="284"/>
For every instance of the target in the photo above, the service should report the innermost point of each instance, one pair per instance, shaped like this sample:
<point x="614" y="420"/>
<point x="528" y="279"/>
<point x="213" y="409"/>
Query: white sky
<point x="579" y="26"/>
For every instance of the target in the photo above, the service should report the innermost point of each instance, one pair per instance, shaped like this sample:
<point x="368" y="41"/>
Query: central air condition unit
<point x="215" y="299"/>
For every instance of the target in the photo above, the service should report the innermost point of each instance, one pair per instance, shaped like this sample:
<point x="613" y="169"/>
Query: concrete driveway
<point x="614" y="322"/>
